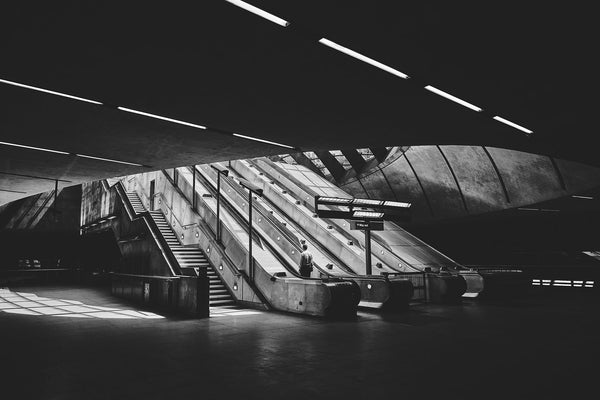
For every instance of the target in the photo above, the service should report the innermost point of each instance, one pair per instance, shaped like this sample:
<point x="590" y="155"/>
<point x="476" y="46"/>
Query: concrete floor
<point x="539" y="348"/>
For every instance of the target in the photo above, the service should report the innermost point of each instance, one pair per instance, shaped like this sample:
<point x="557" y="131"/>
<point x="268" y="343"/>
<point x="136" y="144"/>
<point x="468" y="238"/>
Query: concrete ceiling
<point x="214" y="64"/>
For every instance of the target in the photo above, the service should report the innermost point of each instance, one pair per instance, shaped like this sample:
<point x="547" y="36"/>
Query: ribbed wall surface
<point x="456" y="181"/>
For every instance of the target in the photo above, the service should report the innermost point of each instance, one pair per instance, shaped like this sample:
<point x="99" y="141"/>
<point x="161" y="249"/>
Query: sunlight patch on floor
<point x="32" y="304"/>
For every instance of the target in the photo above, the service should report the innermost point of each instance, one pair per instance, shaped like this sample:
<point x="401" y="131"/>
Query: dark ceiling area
<point x="214" y="64"/>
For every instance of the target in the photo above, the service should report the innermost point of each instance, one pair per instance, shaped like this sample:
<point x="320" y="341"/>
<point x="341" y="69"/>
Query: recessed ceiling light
<point x="362" y="58"/>
<point x="34" y="148"/>
<point x="21" y="85"/>
<point x="176" y="121"/>
<point x="259" y="12"/>
<point x="263" y="140"/>
<point x="509" y="123"/>
<point x="110" y="160"/>
<point x="453" y="98"/>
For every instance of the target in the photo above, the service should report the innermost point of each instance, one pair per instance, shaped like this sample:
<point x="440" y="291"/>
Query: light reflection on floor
<point x="32" y="304"/>
<point x="230" y="311"/>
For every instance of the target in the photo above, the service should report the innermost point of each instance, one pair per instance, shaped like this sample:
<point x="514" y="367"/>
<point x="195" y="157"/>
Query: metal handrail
<point x="284" y="262"/>
<point x="205" y="228"/>
<point x="145" y="216"/>
<point x="289" y="236"/>
<point x="184" y="226"/>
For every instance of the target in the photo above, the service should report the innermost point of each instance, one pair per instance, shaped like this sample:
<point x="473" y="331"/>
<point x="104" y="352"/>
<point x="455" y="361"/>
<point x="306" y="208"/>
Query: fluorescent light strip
<point x="453" y="98"/>
<point x="507" y="122"/>
<point x="362" y="58"/>
<point x="396" y="204"/>
<point x="34" y="148"/>
<point x="262" y="140"/>
<point x="335" y="200"/>
<point x="367" y="214"/>
<point x="21" y="85"/>
<point x="176" y="121"/>
<point x="109" y="160"/>
<point x="583" y="197"/>
<point x="259" y="12"/>
<point x="368" y="202"/>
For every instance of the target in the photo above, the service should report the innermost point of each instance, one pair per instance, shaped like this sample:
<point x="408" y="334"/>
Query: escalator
<point x="188" y="259"/>
<point x="390" y="290"/>
<point x="190" y="206"/>
<point x="403" y="256"/>
<point x="394" y="245"/>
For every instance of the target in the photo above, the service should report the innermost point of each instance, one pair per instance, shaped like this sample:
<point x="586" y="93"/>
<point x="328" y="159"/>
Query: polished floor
<point x="536" y="348"/>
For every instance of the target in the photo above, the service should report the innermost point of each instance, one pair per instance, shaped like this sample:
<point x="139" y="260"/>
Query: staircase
<point x="135" y="202"/>
<point x="190" y="259"/>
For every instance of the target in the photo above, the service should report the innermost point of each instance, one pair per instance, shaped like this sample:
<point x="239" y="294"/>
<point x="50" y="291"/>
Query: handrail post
<point x="369" y="267"/>
<point x="194" y="187"/>
<point x="218" y="207"/>
<point x="250" y="260"/>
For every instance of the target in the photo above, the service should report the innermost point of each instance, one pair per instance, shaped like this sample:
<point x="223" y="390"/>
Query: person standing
<point x="306" y="262"/>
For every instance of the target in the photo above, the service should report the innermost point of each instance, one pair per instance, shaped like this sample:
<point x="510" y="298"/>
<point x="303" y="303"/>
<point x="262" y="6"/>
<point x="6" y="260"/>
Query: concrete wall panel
<point x="578" y="177"/>
<point x="437" y="180"/>
<point x="376" y="185"/>
<point x="354" y="188"/>
<point x="406" y="187"/>
<point x="477" y="178"/>
<point x="529" y="178"/>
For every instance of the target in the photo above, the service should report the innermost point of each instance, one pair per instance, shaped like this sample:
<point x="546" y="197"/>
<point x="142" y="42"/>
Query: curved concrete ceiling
<point x="217" y="65"/>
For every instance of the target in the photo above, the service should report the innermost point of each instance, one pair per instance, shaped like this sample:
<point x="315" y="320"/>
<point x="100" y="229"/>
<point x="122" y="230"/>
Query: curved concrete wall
<point x="455" y="181"/>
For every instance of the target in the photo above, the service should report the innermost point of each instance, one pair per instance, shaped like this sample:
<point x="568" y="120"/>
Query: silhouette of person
<point x="306" y="262"/>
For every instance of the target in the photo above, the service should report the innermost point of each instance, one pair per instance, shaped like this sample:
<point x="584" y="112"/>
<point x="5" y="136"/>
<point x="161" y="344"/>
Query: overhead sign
<point x="366" y="225"/>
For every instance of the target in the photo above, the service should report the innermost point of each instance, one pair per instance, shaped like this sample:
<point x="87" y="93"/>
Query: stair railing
<point x="166" y="203"/>
<point x="151" y="225"/>
<point x="207" y="232"/>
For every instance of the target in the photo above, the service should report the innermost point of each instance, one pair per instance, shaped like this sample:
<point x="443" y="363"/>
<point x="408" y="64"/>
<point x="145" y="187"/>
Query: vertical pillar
<point x="250" y="259"/>
<point x="218" y="207"/>
<point x="55" y="197"/>
<point x="369" y="267"/>
<point x="194" y="187"/>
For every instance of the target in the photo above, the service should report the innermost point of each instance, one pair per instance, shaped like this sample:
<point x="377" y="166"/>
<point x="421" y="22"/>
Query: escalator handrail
<point x="311" y="207"/>
<point x="293" y="239"/>
<point x="243" y="222"/>
<point x="206" y="229"/>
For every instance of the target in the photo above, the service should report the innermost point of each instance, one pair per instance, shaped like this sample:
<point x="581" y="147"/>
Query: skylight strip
<point x="176" y="121"/>
<point x="261" y="13"/>
<point x="21" y="85"/>
<point x="362" y="58"/>
<point x="109" y="160"/>
<point x="509" y="123"/>
<point x="34" y="148"/>
<point x="263" y="141"/>
<point x="452" y="98"/>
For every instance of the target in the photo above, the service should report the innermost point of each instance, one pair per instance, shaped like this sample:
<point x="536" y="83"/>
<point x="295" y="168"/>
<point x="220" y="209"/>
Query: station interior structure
<point x="163" y="166"/>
